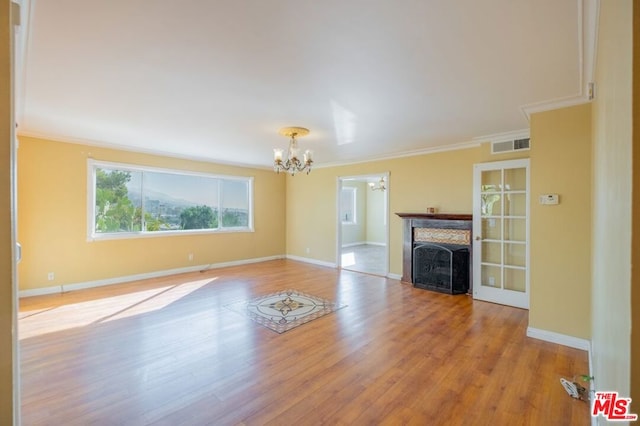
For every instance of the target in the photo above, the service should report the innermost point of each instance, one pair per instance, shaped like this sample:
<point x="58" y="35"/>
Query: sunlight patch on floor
<point x="67" y="316"/>
<point x="348" y="259"/>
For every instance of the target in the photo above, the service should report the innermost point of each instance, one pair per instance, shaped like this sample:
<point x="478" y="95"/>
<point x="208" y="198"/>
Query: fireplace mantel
<point x="429" y="220"/>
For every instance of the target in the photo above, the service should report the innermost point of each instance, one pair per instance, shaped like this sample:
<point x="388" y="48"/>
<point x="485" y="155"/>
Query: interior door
<point x="501" y="232"/>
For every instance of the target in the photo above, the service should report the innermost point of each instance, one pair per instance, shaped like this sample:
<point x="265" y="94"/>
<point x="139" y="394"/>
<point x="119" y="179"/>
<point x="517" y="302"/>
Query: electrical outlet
<point x="51" y="276"/>
<point x="492" y="281"/>
<point x="190" y="257"/>
<point x="308" y="250"/>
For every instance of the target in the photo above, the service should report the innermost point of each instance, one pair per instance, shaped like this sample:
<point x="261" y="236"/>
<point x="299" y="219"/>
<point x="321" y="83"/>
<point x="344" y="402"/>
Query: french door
<point x="501" y="232"/>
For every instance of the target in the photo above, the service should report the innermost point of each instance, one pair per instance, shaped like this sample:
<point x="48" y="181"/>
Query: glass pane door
<point x="501" y="229"/>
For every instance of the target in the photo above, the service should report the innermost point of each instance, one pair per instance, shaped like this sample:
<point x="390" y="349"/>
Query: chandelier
<point x="292" y="163"/>
<point x="380" y="187"/>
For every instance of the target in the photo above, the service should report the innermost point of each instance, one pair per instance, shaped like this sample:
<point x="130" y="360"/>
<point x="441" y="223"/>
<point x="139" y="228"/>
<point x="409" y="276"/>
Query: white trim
<point x="136" y="277"/>
<point x="338" y="242"/>
<point x="413" y="153"/>
<point x="561" y="339"/>
<point x="134" y="167"/>
<point x="20" y="57"/>
<point x="498" y="294"/>
<point x="40" y="291"/>
<point x="553" y="104"/>
<point x="312" y="261"/>
<point x="588" y="27"/>
<point x="93" y="165"/>
<point x="128" y="148"/>
<point x="17" y="38"/>
<point x="504" y="136"/>
<point x="394" y="276"/>
<point x="364" y="243"/>
<point x="588" y="21"/>
<point x="91" y="200"/>
<point x="154" y="234"/>
<point x="374" y="243"/>
<point x="592" y="382"/>
<point x="363" y="178"/>
<point x="359" y="243"/>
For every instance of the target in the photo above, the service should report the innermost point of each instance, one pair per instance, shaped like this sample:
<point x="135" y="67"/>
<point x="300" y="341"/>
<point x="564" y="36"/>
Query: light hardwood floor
<point x="167" y="352"/>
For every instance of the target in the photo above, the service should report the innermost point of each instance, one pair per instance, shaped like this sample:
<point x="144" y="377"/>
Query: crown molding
<point x="22" y="36"/>
<point x="157" y="152"/>
<point x="550" y="105"/>
<point x="414" y="153"/>
<point x="119" y="147"/>
<point x="503" y="136"/>
<point x="588" y="17"/>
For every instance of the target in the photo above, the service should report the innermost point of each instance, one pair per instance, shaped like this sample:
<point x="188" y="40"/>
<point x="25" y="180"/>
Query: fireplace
<point x="437" y="252"/>
<point x="441" y="268"/>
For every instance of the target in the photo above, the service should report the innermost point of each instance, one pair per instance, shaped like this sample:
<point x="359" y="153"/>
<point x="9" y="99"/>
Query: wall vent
<point x="510" y="145"/>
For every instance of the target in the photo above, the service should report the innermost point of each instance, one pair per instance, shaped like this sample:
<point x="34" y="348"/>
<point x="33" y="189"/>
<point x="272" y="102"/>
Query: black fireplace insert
<point x="441" y="267"/>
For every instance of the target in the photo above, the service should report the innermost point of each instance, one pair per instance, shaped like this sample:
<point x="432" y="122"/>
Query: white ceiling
<point x="215" y="80"/>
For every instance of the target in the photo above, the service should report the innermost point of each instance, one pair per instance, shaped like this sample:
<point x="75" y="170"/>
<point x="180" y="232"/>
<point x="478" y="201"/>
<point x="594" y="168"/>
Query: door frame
<point x="18" y="21"/>
<point x="339" y="182"/>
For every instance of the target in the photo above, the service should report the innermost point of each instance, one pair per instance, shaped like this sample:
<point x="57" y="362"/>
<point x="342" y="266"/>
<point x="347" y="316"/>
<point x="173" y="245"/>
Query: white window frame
<point x="92" y="165"/>
<point x="354" y="200"/>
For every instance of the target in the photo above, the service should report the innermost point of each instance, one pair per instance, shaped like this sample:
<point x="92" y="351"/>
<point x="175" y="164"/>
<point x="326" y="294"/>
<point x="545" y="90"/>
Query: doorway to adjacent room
<point x="363" y="223"/>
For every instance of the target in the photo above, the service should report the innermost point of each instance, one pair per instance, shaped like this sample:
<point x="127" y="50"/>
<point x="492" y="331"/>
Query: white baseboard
<point x="394" y="276"/>
<point x="363" y="243"/>
<point x="373" y="243"/>
<point x="313" y="261"/>
<point x="123" y="279"/>
<point x="56" y="289"/>
<point x="561" y="339"/>
<point x="241" y="262"/>
<point x="357" y="243"/>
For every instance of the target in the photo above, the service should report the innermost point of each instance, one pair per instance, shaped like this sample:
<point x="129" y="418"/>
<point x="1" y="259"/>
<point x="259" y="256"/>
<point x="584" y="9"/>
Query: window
<point x="127" y="201"/>
<point x="348" y="205"/>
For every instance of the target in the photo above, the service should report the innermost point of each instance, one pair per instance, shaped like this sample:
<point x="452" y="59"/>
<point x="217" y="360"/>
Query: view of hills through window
<point x="147" y="201"/>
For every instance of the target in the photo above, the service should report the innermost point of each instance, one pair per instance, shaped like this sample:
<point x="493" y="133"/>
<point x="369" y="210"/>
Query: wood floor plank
<point x="167" y="351"/>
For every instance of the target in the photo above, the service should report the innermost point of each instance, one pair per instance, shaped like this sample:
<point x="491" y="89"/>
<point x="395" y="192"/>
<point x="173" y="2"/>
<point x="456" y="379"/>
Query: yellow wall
<point x="311" y="199"/>
<point x="560" y="247"/>
<point x="612" y="177"/>
<point x="7" y="297"/>
<point x="560" y="235"/>
<point x="52" y="179"/>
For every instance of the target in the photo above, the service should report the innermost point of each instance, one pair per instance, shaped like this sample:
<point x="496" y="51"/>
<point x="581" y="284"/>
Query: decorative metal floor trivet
<point x="285" y="310"/>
